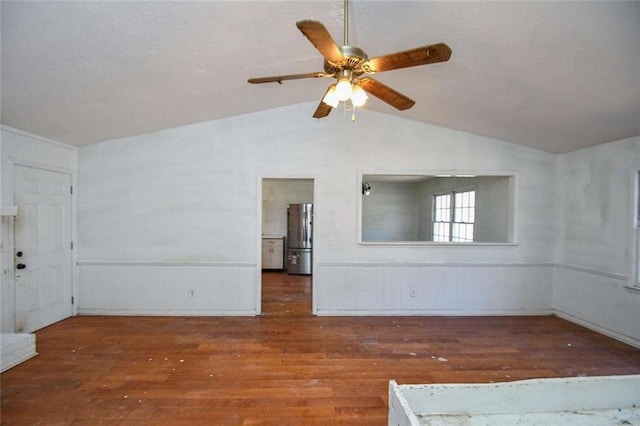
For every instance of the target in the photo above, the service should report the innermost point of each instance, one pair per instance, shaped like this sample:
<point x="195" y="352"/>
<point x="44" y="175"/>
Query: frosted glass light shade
<point x="343" y="89"/>
<point x="359" y="96"/>
<point x="331" y="98"/>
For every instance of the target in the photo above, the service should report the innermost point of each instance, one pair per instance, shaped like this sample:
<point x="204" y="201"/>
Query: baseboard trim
<point x="158" y="263"/>
<point x="435" y="265"/>
<point x="432" y="313"/>
<point x="145" y="312"/>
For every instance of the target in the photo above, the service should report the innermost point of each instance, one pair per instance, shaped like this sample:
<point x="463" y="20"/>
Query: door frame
<point x="261" y="178"/>
<point x="11" y="184"/>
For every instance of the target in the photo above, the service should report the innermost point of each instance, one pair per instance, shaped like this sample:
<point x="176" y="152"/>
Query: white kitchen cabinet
<point x="273" y="253"/>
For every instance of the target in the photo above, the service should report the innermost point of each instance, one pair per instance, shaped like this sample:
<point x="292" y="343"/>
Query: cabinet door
<point x="272" y="253"/>
<point x="266" y="256"/>
<point x="277" y="257"/>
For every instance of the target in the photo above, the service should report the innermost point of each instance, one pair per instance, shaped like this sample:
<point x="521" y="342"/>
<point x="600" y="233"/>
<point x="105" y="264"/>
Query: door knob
<point x="19" y="254"/>
<point x="21" y="266"/>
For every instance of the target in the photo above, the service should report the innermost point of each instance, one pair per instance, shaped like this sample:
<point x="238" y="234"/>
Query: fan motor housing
<point x="353" y="58"/>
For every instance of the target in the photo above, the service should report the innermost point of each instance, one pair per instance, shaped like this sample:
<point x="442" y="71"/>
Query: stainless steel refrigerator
<point x="299" y="238"/>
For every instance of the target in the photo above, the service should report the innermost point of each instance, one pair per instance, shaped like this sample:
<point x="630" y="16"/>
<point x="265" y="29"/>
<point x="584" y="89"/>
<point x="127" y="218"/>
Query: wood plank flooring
<point x="283" y="368"/>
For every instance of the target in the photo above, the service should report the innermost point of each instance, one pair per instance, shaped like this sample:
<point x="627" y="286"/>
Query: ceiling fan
<point x="348" y="64"/>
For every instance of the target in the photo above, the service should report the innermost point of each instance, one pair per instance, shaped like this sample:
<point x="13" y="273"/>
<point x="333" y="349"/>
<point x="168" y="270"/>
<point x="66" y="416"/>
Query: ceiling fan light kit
<point x="343" y="88"/>
<point x="331" y="98"/>
<point x="347" y="64"/>
<point x="358" y="96"/>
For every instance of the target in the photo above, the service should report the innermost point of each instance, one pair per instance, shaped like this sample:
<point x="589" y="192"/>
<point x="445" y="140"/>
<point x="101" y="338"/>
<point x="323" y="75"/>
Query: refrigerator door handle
<point x="304" y="227"/>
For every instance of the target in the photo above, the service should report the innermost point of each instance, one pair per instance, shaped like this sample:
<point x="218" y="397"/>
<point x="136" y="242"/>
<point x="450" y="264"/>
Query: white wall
<point x="390" y="212"/>
<point x="20" y="148"/>
<point x="493" y="212"/>
<point x="188" y="198"/>
<point x="165" y="213"/>
<point x="594" y="249"/>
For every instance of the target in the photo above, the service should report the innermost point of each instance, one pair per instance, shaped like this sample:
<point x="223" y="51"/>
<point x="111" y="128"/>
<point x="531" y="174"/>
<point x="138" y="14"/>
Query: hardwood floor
<point x="285" y="367"/>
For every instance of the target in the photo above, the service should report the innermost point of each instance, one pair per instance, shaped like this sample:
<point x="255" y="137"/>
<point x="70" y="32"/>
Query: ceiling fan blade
<point x="281" y="78"/>
<point x="323" y="109"/>
<point x="386" y="94"/>
<point x="321" y="39"/>
<point x="409" y="58"/>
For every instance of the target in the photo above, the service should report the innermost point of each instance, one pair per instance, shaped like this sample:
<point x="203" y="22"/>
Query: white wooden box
<point x="581" y="401"/>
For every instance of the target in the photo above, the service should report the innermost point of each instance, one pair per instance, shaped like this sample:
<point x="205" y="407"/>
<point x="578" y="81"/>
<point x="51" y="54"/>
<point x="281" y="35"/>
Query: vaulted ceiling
<point x="557" y="76"/>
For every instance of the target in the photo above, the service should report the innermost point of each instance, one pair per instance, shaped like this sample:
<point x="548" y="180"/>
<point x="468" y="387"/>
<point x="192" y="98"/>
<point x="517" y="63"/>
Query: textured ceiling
<point x="558" y="76"/>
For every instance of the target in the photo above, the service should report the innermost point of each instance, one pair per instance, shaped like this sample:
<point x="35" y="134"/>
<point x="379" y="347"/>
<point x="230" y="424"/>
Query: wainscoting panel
<point x="153" y="288"/>
<point x="433" y="289"/>
<point x="599" y="301"/>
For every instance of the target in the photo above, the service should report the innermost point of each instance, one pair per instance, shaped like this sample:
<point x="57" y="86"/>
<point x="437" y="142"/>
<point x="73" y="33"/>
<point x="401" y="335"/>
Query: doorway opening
<point x="286" y="287"/>
<point x="285" y="295"/>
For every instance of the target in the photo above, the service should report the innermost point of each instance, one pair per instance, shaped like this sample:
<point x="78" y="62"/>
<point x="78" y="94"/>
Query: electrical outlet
<point x="192" y="293"/>
<point x="412" y="292"/>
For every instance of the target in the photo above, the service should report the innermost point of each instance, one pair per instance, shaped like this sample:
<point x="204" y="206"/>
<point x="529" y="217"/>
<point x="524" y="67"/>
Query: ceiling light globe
<point x="331" y="98"/>
<point x="359" y="96"/>
<point x="343" y="89"/>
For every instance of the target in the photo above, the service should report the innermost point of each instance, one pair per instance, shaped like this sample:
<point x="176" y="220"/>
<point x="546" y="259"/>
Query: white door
<point x="42" y="248"/>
